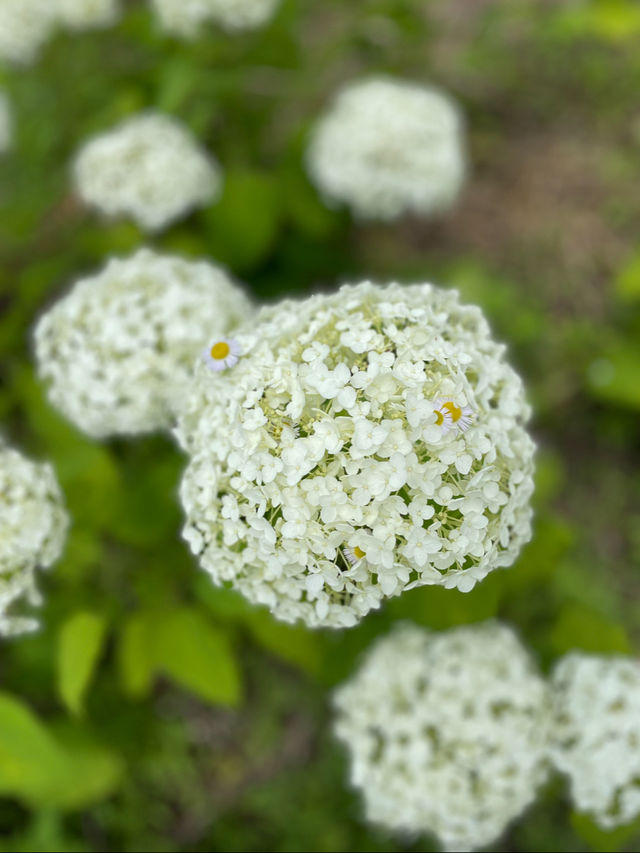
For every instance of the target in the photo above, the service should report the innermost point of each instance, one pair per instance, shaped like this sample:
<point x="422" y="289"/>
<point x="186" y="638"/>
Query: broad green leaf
<point x="628" y="280"/>
<point x="136" y="654"/>
<point x="100" y="770"/>
<point x="31" y="762"/>
<point x="441" y="608"/>
<point x="295" y="644"/>
<point x="198" y="656"/>
<point x="579" y="627"/>
<point x="615" y="376"/>
<point x="80" y="642"/>
<point x="604" y="841"/>
<point x="244" y="223"/>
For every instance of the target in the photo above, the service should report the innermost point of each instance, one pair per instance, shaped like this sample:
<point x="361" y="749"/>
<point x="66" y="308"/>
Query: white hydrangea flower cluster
<point x="596" y="735"/>
<point x="81" y="14"/>
<point x="447" y="733"/>
<point x="149" y="167"/>
<point x="118" y="349"/>
<point x="6" y="128"/>
<point x="25" y="25"/>
<point x="186" y="17"/>
<point x="33" y="528"/>
<point x="388" y="147"/>
<point x="365" y="442"/>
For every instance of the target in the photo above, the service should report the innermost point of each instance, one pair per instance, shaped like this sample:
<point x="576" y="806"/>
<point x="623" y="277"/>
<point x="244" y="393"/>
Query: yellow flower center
<point x="220" y="350"/>
<point x="358" y="553"/>
<point x="439" y="418"/>
<point x="453" y="410"/>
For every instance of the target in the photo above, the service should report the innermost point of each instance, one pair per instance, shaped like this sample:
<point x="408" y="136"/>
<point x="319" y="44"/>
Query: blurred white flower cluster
<point x="149" y="167"/>
<point x="388" y="147"/>
<point x="447" y="733"/>
<point x="185" y="17"/>
<point x="6" y="124"/>
<point x="81" y="14"/>
<point x="365" y="443"/>
<point x="25" y="25"/>
<point x="33" y="528"/>
<point x="597" y="734"/>
<point x="118" y="350"/>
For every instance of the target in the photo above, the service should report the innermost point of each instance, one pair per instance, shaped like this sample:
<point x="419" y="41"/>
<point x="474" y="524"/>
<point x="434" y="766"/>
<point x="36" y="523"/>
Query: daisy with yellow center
<point x="354" y="555"/>
<point x="449" y="416"/>
<point x="222" y="354"/>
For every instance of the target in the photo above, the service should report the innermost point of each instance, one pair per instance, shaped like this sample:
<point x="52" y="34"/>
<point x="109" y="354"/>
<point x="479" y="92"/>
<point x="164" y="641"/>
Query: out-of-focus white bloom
<point x="25" y="25"/>
<point x="33" y="528"/>
<point x="388" y="147"/>
<point x="596" y="735"/>
<point x="185" y="17"/>
<point x="82" y="14"/>
<point x="447" y="733"/>
<point x="320" y="481"/>
<point x="6" y="130"/>
<point x="150" y="168"/>
<point x="118" y="350"/>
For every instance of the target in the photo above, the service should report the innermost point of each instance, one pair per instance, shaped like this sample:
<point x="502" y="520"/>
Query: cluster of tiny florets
<point x="364" y="443"/>
<point x="388" y="147"/>
<point x="446" y="733"/>
<point x="186" y="17"/>
<point x="118" y="350"/>
<point x="149" y="168"/>
<point x="33" y="528"/>
<point x="596" y="734"/>
<point x="25" y="25"/>
<point x="82" y="14"/>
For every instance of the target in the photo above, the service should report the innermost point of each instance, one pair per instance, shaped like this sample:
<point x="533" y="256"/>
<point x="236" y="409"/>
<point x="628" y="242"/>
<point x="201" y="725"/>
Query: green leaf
<point x="604" y="841"/>
<point x="440" y="608"/>
<point x="579" y="627"/>
<point x="244" y="224"/>
<point x="294" y="644"/>
<point x="31" y="762"/>
<point x="615" y="376"/>
<point x="80" y="642"/>
<point x="136" y="654"/>
<point x="628" y="280"/>
<point x="198" y="656"/>
<point x="100" y="770"/>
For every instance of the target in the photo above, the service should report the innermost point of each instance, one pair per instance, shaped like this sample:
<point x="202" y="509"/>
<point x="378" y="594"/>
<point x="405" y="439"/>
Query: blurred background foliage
<point x="153" y="711"/>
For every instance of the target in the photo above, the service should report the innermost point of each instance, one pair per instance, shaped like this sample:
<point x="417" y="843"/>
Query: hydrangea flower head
<point x="321" y="479"/>
<point x="186" y="17"/>
<point x="149" y="168"/>
<point x="596" y="734"/>
<point x="33" y="528"/>
<point x="446" y="733"/>
<point x="118" y="350"/>
<point x="388" y="147"/>
<point x="81" y="14"/>
<point x="25" y="25"/>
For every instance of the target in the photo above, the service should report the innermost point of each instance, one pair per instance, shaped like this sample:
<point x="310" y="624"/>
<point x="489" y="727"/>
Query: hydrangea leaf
<point x="198" y="656"/>
<point x="605" y="841"/>
<point x="80" y="642"/>
<point x="579" y="627"/>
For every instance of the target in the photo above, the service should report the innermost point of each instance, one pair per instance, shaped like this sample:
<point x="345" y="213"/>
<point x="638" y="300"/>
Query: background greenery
<point x="155" y="712"/>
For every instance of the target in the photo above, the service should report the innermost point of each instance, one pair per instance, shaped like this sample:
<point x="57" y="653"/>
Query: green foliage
<point x="184" y="645"/>
<point x="45" y="770"/>
<point x="80" y="642"/>
<point x="606" y="841"/>
<point x="191" y="720"/>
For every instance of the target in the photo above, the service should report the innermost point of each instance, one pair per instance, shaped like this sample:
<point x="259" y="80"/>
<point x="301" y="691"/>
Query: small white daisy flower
<point x="222" y="354"/>
<point x="354" y="555"/>
<point x="449" y="416"/>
